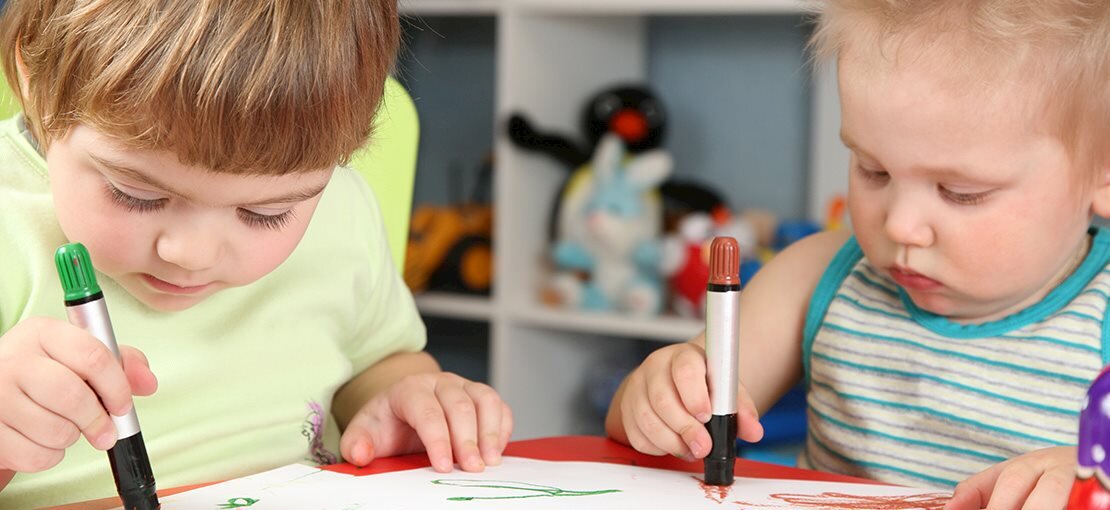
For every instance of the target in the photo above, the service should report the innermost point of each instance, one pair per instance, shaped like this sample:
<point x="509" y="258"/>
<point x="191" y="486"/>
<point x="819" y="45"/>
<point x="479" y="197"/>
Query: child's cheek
<point x="102" y="228"/>
<point x="262" y="251"/>
<point x="118" y="247"/>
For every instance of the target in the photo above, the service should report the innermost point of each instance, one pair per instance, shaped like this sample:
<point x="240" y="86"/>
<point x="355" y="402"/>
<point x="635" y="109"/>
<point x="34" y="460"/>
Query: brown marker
<point x="722" y="351"/>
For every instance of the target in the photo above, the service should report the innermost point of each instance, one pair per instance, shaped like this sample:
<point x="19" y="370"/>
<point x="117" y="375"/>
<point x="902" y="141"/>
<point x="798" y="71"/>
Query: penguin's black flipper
<point x="690" y="195"/>
<point x="559" y="147"/>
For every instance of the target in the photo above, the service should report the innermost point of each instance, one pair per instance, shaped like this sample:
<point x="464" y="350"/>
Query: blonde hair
<point x="252" y="87"/>
<point x="1061" y="48"/>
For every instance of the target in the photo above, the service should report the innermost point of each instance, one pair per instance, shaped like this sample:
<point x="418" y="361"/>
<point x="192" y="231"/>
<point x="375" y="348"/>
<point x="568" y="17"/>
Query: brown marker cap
<point x="724" y="261"/>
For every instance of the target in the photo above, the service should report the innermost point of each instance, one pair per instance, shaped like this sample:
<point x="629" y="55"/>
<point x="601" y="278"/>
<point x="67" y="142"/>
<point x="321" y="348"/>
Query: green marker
<point x="85" y="309"/>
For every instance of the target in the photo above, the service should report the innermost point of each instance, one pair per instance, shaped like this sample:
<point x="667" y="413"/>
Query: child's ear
<point x="1100" y="204"/>
<point x="21" y="68"/>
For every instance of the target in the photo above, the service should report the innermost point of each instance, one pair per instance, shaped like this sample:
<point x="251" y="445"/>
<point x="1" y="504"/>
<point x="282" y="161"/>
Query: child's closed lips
<point x="911" y="279"/>
<point x="172" y="288"/>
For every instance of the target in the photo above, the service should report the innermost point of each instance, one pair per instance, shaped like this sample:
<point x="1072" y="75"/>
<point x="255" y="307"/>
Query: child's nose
<point x="907" y="224"/>
<point x="189" y="247"/>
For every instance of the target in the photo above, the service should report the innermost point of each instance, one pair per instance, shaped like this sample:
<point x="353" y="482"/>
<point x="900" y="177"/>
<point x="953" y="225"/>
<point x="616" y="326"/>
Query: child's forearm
<point x="376" y="378"/>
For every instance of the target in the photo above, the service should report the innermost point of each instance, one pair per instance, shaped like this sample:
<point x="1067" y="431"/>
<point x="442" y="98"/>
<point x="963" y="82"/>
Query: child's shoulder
<point x="349" y="196"/>
<point x="22" y="169"/>
<point x="346" y="225"/>
<point x="817" y="250"/>
<point x="794" y="273"/>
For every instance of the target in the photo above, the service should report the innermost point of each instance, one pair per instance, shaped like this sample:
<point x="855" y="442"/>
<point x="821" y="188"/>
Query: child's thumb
<point x="137" y="368"/>
<point x="356" y="445"/>
<point x="750" y="429"/>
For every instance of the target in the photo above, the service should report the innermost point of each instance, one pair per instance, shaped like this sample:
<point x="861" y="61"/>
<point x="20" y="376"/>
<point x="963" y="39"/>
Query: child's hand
<point x="447" y="415"/>
<point x="56" y="380"/>
<point x="1039" y="479"/>
<point x="664" y="404"/>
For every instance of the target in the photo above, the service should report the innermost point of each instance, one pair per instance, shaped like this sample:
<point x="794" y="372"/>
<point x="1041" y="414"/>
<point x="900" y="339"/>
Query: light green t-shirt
<point x="244" y="375"/>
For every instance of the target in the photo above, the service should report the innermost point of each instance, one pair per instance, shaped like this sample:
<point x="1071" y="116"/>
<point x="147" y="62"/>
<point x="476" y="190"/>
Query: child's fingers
<point x="357" y="444"/>
<point x="23" y="455"/>
<point x="750" y="429"/>
<point x="506" y="426"/>
<point x="645" y="414"/>
<point x="638" y="440"/>
<point x="62" y="392"/>
<point x="975" y="492"/>
<point x="682" y="435"/>
<point x="462" y="423"/>
<point x="136" y="367"/>
<point x="1011" y="486"/>
<point x="489" y="407"/>
<point x="1051" y="490"/>
<point x="964" y="501"/>
<point x="85" y="356"/>
<point x="42" y="427"/>
<point x="426" y="416"/>
<point x="633" y="403"/>
<point x="688" y="373"/>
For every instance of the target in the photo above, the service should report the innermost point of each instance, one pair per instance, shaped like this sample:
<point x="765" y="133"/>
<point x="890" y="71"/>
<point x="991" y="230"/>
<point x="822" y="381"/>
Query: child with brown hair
<point x="193" y="146"/>
<point x="950" y="339"/>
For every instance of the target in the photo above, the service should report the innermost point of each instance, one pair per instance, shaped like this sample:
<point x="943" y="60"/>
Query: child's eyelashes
<point x="250" y="218"/>
<point x="872" y="175"/>
<point x="131" y="203"/>
<point x="270" y="221"/>
<point x="963" y="198"/>
<point x="879" y="177"/>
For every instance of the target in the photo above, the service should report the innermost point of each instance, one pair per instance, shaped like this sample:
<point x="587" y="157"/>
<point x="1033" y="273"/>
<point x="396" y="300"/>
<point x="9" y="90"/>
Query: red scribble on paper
<point x="840" y="501"/>
<point x="716" y="493"/>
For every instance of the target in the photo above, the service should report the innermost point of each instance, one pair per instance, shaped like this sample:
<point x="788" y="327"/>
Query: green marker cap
<point x="75" y="270"/>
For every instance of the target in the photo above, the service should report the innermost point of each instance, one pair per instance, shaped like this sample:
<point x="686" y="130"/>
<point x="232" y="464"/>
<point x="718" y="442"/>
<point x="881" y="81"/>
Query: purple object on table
<point x="1090" y="491"/>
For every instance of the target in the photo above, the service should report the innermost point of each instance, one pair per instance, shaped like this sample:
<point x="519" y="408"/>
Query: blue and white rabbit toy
<point x="610" y="231"/>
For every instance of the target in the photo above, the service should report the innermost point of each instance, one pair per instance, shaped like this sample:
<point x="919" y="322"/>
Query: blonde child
<point x="193" y="146"/>
<point x="950" y="340"/>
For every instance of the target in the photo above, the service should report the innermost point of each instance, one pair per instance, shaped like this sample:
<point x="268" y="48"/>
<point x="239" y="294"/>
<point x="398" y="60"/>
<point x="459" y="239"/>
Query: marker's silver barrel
<point x="93" y="317"/>
<point x="722" y="349"/>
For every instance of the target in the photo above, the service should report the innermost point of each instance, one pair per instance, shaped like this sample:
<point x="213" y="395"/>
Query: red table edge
<point x="561" y="448"/>
<point x="601" y="449"/>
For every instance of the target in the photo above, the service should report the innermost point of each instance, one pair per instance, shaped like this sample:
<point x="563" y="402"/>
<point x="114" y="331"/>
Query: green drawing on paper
<point x="238" y="503"/>
<point x="531" y="490"/>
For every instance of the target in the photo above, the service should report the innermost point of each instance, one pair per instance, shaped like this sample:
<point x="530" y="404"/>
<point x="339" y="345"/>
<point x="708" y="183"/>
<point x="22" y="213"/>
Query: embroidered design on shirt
<point x="313" y="430"/>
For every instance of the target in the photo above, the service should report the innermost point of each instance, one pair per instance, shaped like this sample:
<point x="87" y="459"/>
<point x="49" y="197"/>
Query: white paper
<point x="534" y="484"/>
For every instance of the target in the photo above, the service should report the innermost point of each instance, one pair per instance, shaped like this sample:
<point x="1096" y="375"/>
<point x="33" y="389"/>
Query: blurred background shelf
<point x="454" y="306"/>
<point x="603" y="7"/>
<point x="681" y="7"/>
<point x="747" y="115"/>
<point x="665" y="328"/>
<point x="449" y="7"/>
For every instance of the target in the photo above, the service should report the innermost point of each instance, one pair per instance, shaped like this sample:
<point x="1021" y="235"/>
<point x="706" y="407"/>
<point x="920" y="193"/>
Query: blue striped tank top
<point x="901" y="395"/>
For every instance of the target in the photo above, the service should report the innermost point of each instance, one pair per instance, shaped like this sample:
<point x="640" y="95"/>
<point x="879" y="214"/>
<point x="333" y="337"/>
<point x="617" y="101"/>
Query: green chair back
<point x="388" y="163"/>
<point x="9" y="104"/>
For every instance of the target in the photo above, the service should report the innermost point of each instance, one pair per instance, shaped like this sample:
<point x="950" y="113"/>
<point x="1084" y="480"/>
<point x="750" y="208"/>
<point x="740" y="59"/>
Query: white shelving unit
<point x="641" y="7"/>
<point x="450" y="7"/>
<point x="455" y="306"/>
<point x="550" y="56"/>
<point x="592" y="7"/>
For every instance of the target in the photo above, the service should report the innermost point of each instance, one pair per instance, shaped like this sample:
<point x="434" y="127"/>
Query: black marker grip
<point x="721" y="461"/>
<point x="134" y="478"/>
